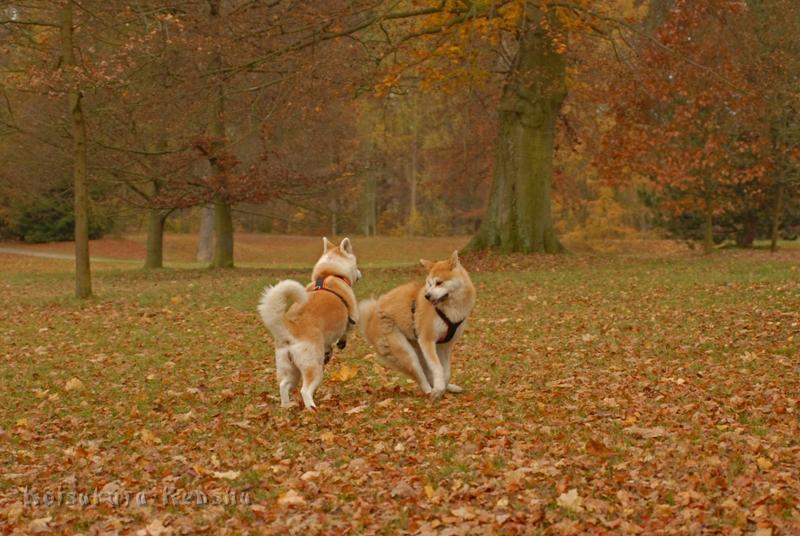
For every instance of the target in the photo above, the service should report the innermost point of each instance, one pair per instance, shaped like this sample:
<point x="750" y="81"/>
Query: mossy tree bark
<point x="519" y="218"/>
<point x="83" y="276"/>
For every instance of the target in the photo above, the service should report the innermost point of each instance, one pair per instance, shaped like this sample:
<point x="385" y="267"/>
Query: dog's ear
<point x="326" y="245"/>
<point x="346" y="246"/>
<point x="426" y="264"/>
<point x="454" y="262"/>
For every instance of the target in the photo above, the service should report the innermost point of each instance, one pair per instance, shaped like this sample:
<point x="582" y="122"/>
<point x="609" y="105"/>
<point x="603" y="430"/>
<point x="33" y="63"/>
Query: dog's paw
<point x="453" y="388"/>
<point x="436" y="393"/>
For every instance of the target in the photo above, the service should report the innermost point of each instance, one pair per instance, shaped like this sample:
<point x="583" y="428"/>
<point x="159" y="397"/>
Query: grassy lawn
<point x="650" y="393"/>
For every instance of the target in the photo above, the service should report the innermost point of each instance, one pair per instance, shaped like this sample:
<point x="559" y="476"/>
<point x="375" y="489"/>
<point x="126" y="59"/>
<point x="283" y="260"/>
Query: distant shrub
<point x="49" y="218"/>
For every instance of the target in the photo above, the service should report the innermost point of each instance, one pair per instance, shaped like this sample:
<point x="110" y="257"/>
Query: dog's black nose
<point x="428" y="296"/>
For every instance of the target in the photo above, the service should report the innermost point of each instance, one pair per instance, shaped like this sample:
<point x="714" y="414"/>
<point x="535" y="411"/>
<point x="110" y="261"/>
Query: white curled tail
<point x="274" y="303"/>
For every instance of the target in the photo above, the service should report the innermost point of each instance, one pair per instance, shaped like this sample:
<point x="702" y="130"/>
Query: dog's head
<point x="337" y="260"/>
<point x="446" y="279"/>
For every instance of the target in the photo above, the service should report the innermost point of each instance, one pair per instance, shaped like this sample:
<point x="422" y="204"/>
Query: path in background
<point x="251" y="249"/>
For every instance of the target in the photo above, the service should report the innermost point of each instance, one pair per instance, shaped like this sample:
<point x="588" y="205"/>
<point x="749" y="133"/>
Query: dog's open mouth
<point x="440" y="299"/>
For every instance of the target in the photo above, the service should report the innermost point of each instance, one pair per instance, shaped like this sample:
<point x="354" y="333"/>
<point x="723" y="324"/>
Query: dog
<point x="305" y="321"/>
<point x="416" y="320"/>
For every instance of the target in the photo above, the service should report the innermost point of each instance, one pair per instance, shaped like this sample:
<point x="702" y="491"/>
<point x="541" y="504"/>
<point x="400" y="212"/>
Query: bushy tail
<point x="366" y="309"/>
<point x="274" y="303"/>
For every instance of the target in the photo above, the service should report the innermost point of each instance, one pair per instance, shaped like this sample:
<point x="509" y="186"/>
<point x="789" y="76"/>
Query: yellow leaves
<point x="327" y="437"/>
<point x="22" y="423"/>
<point x="765" y="464"/>
<point x="429" y="491"/>
<point x="344" y="373"/>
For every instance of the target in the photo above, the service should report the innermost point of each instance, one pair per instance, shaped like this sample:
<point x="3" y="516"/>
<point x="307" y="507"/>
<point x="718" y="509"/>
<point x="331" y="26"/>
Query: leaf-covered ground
<point x="608" y="394"/>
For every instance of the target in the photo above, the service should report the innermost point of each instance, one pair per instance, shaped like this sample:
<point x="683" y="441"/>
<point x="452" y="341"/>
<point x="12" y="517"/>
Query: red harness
<point x="319" y="284"/>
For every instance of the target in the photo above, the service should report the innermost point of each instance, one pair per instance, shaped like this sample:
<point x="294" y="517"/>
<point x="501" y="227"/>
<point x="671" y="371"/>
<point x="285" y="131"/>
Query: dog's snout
<point x="428" y="296"/>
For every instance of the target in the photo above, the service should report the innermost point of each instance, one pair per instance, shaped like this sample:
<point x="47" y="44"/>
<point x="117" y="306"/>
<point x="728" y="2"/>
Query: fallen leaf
<point x="570" y="501"/>
<point x="291" y="498"/>
<point x="40" y="525"/>
<point x="73" y="384"/>
<point x="227" y="475"/>
<point x="344" y="373"/>
<point x="646" y="433"/>
<point x="598" y="449"/>
<point x="764" y="463"/>
<point x="357" y="409"/>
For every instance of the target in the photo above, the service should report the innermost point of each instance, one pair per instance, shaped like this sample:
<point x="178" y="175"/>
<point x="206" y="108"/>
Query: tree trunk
<point x="518" y="218"/>
<point x="154" y="257"/>
<point x="369" y="216"/>
<point x="708" y="228"/>
<point x="775" y="218"/>
<point x="83" y="276"/>
<point x="413" y="169"/>
<point x="223" y="235"/>
<point x="205" y="239"/>
<point x="223" y="220"/>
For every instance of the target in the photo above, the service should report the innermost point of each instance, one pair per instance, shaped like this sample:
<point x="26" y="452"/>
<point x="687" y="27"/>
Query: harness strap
<point x="452" y="327"/>
<point x="319" y="284"/>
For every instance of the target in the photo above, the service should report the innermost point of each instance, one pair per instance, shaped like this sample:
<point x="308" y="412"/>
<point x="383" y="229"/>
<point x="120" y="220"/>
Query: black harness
<point x="319" y="284"/>
<point x="452" y="327"/>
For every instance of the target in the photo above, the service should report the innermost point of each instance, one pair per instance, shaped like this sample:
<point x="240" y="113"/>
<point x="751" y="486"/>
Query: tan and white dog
<point x="415" y="326"/>
<point x="306" y="321"/>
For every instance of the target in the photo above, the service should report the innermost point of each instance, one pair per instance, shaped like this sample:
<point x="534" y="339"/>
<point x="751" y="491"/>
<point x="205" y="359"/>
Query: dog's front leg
<point x="435" y="366"/>
<point x="445" y="356"/>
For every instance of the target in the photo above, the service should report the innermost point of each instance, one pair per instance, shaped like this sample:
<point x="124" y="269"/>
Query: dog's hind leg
<point x="403" y="358"/>
<point x="288" y="375"/>
<point x="309" y="358"/>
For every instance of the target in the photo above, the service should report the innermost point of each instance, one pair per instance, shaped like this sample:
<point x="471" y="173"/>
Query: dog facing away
<point x="305" y="322"/>
<point x="414" y="326"/>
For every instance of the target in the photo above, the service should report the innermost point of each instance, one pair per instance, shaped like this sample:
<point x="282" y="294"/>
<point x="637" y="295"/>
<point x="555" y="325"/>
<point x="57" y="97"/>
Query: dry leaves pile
<point x="605" y="395"/>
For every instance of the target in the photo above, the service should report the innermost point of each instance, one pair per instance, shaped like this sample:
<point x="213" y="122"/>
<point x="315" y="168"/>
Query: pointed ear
<point x="454" y="262"/>
<point x="426" y="264"/>
<point x="346" y="246"/>
<point x="326" y="244"/>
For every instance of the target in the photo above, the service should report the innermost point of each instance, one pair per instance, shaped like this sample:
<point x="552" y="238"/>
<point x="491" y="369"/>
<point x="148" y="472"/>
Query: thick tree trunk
<point x="775" y="218"/>
<point x="154" y="257"/>
<point x="83" y="276"/>
<point x="223" y="220"/>
<point x="205" y="238"/>
<point x="518" y="218"/>
<point x="223" y="235"/>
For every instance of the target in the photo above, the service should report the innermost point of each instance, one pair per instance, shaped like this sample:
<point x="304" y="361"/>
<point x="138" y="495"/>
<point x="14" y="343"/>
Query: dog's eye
<point x="438" y="283"/>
